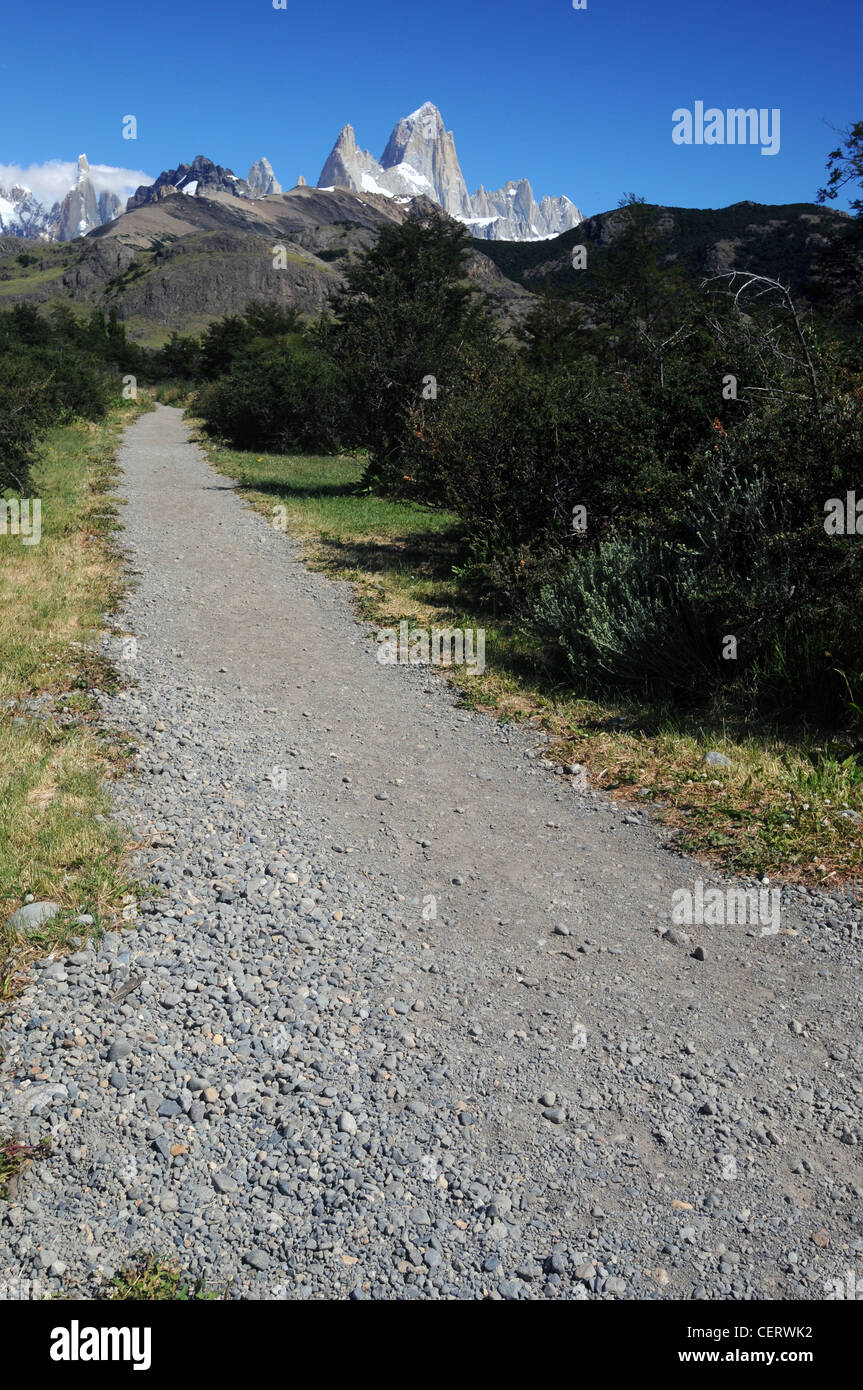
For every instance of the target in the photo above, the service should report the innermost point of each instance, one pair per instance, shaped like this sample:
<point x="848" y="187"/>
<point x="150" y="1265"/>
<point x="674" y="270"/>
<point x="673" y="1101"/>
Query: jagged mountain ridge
<point x="420" y="159"/>
<point x="82" y="209"/>
<point x="201" y="178"/>
<point x="21" y="214"/>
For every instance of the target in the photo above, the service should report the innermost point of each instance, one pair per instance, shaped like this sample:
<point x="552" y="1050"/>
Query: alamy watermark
<point x="844" y="515"/>
<point x="442" y="646"/>
<point x="734" y="126"/>
<point x="22" y="519"/>
<point x="851" y="1287"/>
<point x="77" y="1343"/>
<point x="725" y="907"/>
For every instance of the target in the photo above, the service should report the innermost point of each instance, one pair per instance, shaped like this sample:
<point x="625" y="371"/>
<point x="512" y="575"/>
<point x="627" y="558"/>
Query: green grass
<point x="777" y="810"/>
<point x="153" y="1281"/>
<point x="54" y="842"/>
<point x="21" y="286"/>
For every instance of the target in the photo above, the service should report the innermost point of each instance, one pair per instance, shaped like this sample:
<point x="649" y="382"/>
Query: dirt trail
<point x="729" y="1084"/>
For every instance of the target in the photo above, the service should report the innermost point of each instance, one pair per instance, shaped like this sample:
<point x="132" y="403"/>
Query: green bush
<point x="48" y="375"/>
<point x="748" y="557"/>
<point x="286" y="397"/>
<point x="512" y="451"/>
<point x="21" y="417"/>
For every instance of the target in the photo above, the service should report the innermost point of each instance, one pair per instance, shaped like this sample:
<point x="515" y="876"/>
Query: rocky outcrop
<point x="347" y="166"/>
<point x="420" y="160"/>
<point x="78" y="211"/>
<point x="200" y="178"/>
<point x="262" y="180"/>
<point x="512" y="214"/>
<point x="21" y="214"/>
<point x="421" y="148"/>
<point x="110" y="206"/>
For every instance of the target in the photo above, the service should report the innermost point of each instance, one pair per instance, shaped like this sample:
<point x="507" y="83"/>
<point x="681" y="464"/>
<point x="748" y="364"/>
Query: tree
<point x="180" y="357"/>
<point x="222" y="342"/>
<point x="645" y="303"/>
<point x="401" y="324"/>
<point x="845" y="165"/>
<point x="553" y="331"/>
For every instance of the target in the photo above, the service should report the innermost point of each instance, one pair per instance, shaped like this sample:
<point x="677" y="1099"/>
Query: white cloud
<point x="52" y="180"/>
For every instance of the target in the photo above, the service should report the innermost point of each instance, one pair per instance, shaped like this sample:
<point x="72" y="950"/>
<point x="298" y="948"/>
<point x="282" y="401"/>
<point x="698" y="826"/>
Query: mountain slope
<point x="782" y="241"/>
<point x="176" y="262"/>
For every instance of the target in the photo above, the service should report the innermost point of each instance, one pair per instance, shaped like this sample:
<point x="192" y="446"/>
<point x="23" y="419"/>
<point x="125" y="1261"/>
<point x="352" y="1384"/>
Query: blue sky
<point x="580" y="102"/>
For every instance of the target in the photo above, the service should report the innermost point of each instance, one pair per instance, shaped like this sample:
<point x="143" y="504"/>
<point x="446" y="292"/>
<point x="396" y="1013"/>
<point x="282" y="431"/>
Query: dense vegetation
<point x="53" y="370"/>
<point x="642" y="472"/>
<point x="642" y="467"/>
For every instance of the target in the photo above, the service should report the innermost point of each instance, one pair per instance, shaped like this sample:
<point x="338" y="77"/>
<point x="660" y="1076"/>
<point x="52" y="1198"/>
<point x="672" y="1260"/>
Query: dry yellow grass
<point x="55" y="840"/>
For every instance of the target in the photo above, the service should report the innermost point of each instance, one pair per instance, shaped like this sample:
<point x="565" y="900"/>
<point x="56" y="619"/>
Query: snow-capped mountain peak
<point x="82" y="209"/>
<point x="420" y="160"/>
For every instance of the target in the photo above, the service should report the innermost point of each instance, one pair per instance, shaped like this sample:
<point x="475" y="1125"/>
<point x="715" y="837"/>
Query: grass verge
<point x="56" y="841"/>
<point x="781" y="807"/>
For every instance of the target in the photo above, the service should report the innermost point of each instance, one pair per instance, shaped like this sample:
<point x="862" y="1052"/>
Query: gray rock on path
<point x="32" y="916"/>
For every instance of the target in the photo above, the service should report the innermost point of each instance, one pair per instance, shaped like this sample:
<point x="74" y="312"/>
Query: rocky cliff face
<point x="79" y="210"/>
<point x="347" y="166"/>
<point x="420" y="160"/>
<point x="421" y="145"/>
<point x="198" y="179"/>
<point x="82" y="209"/>
<point x="21" y="214"/>
<point x="512" y="214"/>
<point x="262" y="180"/>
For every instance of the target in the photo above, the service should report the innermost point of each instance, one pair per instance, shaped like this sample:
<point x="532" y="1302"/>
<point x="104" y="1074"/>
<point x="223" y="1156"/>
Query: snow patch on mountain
<point x="57" y="201"/>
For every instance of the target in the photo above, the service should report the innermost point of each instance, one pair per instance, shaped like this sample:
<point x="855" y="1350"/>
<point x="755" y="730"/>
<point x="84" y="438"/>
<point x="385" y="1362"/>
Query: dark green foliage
<point x="407" y="313"/>
<point x="21" y="416"/>
<point x="284" y="397"/>
<point x="515" y="451"/>
<point x="749" y="558"/>
<point x="229" y="339"/>
<point x="222" y="343"/>
<point x="774" y="239"/>
<point x="51" y="371"/>
<point x="179" y="359"/>
<point x="835" y="284"/>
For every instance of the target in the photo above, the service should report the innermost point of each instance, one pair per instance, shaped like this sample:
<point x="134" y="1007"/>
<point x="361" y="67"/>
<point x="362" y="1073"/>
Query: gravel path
<point x="312" y="1086"/>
